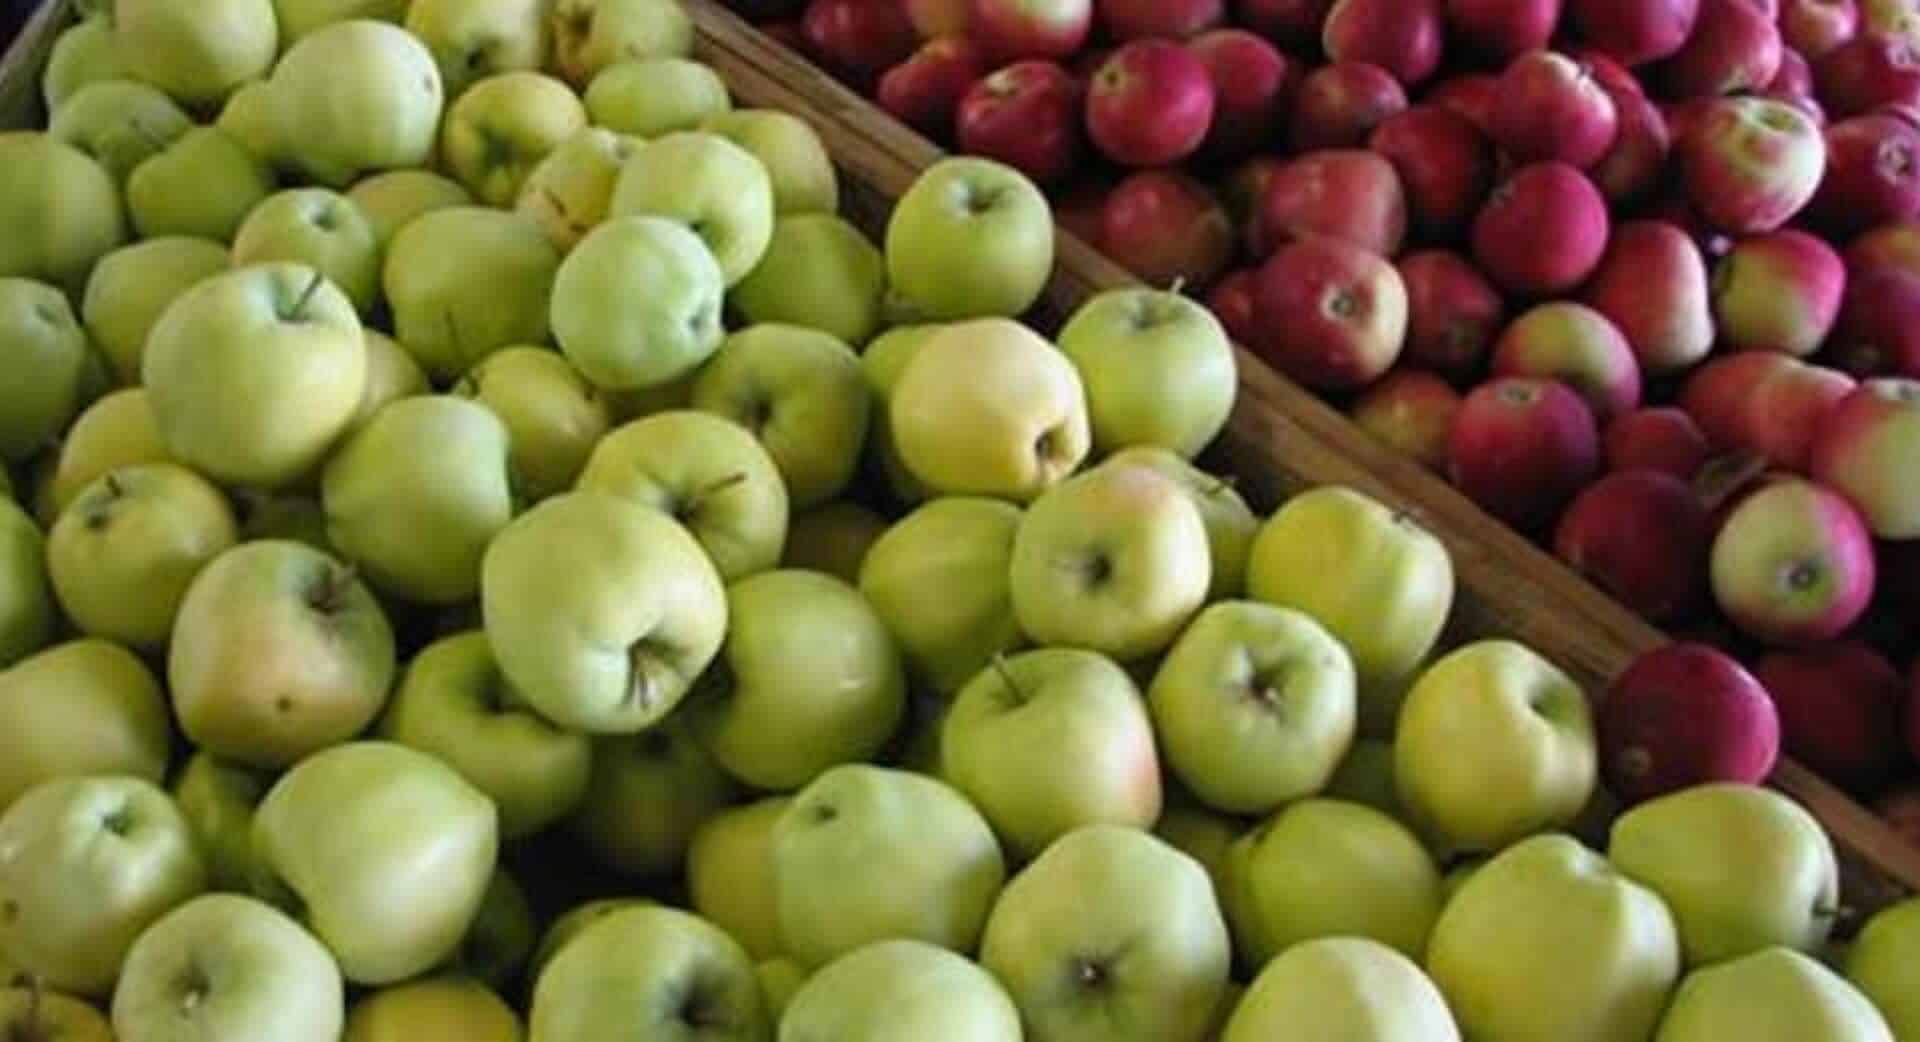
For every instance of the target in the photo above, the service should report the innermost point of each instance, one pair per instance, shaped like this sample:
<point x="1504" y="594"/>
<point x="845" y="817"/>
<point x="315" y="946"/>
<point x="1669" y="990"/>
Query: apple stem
<point x="1006" y="677"/>
<point x="1222" y="483"/>
<point x="700" y="496"/>
<point x="1179" y="285"/>
<point x="113" y="485"/>
<point x="299" y="312"/>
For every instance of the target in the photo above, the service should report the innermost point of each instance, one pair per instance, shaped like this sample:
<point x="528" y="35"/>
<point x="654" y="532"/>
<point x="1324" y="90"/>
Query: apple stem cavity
<point x="329" y="593"/>
<point x="1006" y="677"/>
<point x="692" y="504"/>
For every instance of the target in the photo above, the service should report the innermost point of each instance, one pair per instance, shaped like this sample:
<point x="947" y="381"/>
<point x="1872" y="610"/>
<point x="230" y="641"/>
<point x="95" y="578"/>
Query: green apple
<point x="251" y="120"/>
<point x="45" y="382"/>
<point x="884" y="359"/>
<point x="83" y="53"/>
<point x="1047" y="741"/>
<point x="1231" y="524"/>
<point x="123" y="554"/>
<point x="299" y="18"/>
<point x="218" y="800"/>
<point x="1342" y="988"/>
<point x="571" y="925"/>
<point x="1881" y="965"/>
<point x="473" y="39"/>
<point x="867" y="854"/>
<point x="800" y="392"/>
<point x="1548" y="943"/>
<point x="901" y="989"/>
<point x="650" y="793"/>
<point x="116" y="431"/>
<point x="820" y="272"/>
<point x="1374" y="578"/>
<point x="501" y="127"/>
<point x="601" y="614"/>
<point x="61" y="208"/>
<point x="132" y="286"/>
<point x="569" y="193"/>
<point x="589" y="35"/>
<point x="1150" y="964"/>
<point x="973" y="238"/>
<point x="355" y="98"/>
<point x="649" y="97"/>
<point x="711" y="185"/>
<point x="278" y="651"/>
<point x="87" y="862"/>
<point x="391" y="200"/>
<point x="803" y="175"/>
<point x="1158" y="369"/>
<point x="120" y="123"/>
<point x="225" y="967"/>
<point x="637" y="303"/>
<point x="321" y="229"/>
<point x="437" y="1009"/>
<point x="706" y="472"/>
<point x="1115" y="560"/>
<point x="201" y="186"/>
<point x="198" y="53"/>
<point x="730" y="874"/>
<point x="29" y="1011"/>
<point x="1495" y="744"/>
<point x="392" y="374"/>
<point x="939" y="580"/>
<point x="1773" y="995"/>
<point x="1201" y="833"/>
<point x="833" y="538"/>
<point x="454" y="704"/>
<point x="26" y="597"/>
<point x="656" y="973"/>
<point x="390" y="902"/>
<point x="1741" y="867"/>
<point x="554" y="417"/>
<point x="501" y="936"/>
<point x="787" y="701"/>
<point x="780" y="981"/>
<point x="466" y="281"/>
<point x="84" y="707"/>
<point x="1366" y="776"/>
<point x="1254" y="706"/>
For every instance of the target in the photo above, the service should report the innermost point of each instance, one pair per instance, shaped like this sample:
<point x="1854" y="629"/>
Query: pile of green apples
<point x="451" y="432"/>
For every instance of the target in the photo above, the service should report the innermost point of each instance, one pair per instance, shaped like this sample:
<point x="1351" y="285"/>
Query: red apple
<point x="1579" y="347"/>
<point x="1840" y="708"/>
<point x="859" y="39"/>
<point x="1879" y="329"/>
<point x="1872" y="178"/>
<point x="1171" y="19"/>
<point x="1659" y="439"/>
<point x="1027" y="115"/>
<point x="1868" y="71"/>
<point x="1750" y="164"/>
<point x="1151" y="104"/>
<point x="1404" y="37"/>
<point x="1891" y="246"/>
<point x="1778" y="292"/>
<point x="1293" y="24"/>
<point x="924" y="91"/>
<point x="1010" y="30"/>
<point x="1764" y="402"/>
<point x="1635" y="32"/>
<point x="1642" y="537"/>
<point x="1347" y="194"/>
<point x="1866" y="449"/>
<point x="1683" y="715"/>
<point x="1453" y="312"/>
<point x="1734" y="47"/>
<point x="1794" y="85"/>
<point x="1470" y="96"/>
<point x="1253" y="86"/>
<point x="1542" y="232"/>
<point x="1232" y="302"/>
<point x="1499" y="29"/>
<point x="1522" y="448"/>
<point x="1445" y="165"/>
<point x="1549" y="107"/>
<point x="933" y="19"/>
<point x="1816" y="27"/>
<point x="1245" y="194"/>
<point x="1411" y="410"/>
<point x="1339" y="105"/>
<point x="1793" y="565"/>
<point x="1167" y="228"/>
<point x="1331" y="315"/>
<point x="1652" y="283"/>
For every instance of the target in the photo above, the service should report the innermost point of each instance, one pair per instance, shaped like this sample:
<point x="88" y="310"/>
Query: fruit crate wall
<point x="1280" y="439"/>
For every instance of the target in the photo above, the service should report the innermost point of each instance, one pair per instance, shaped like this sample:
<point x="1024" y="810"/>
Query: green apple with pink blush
<point x="1865" y="448"/>
<point x="1778" y="292"/>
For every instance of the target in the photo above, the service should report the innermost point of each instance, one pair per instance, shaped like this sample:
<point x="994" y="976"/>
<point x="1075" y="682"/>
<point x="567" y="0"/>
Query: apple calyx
<point x="1091" y="974"/>
<point x="328" y="594"/>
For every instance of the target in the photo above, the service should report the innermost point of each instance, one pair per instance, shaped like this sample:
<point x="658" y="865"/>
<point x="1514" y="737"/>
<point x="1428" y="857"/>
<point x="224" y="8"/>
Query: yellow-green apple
<point x="123" y="554"/>
<point x="473" y="39"/>
<point x="820" y="272"/>
<point x="1254" y="706"/>
<point x="218" y="800"/>
<point x="637" y="303"/>
<point x="286" y="335"/>
<point x="251" y="120"/>
<point x="705" y="472"/>
<point x="867" y="854"/>
<point x="321" y="229"/>
<point x="501" y="127"/>
<point x="939" y="580"/>
<point x="198" y="54"/>
<point x="1342" y="987"/>
<point x="131" y="287"/>
<point x="1855" y="449"/>
<point x="391" y="200"/>
<point x="833" y="538"/>
<point x="1332" y="315"/>
<point x="203" y="185"/>
<point x="1157" y="368"/>
<point x="730" y="874"/>
<point x="590" y="35"/>
<point x="1532" y="762"/>
<point x="278" y="651"/>
<point x="1047" y="741"/>
<point x="83" y="53"/>
<point x="84" y="707"/>
<point x="801" y="393"/>
<point x="803" y="175"/>
<point x="1794" y="562"/>
<point x="1548" y="943"/>
<point x="28" y="1010"/>
<point x="1741" y="868"/>
<point x="1778" y="292"/>
<point x="1151" y="965"/>
<point x="1881" y="962"/>
<point x="648" y="795"/>
<point x="501" y="936"/>
<point x="570" y="925"/>
<point x="453" y="703"/>
<point x="715" y="187"/>
<point x="786" y="704"/>
<point x="293" y="517"/>
<point x="392" y="374"/>
<point x="656" y="970"/>
<point x="781" y="979"/>
<point x="1580" y="347"/>
<point x="27" y="603"/>
<point x="1749" y="164"/>
<point x="569" y="192"/>
<point x="436" y="1009"/>
<point x="1775" y="995"/>
<point x="466" y="281"/>
<point x="899" y="989"/>
<point x="601" y="614"/>
<point x="1366" y="777"/>
<point x="554" y="417"/>
<point x="356" y="98"/>
<point x="388" y="903"/>
<point x="225" y="966"/>
<point x="1230" y="523"/>
<point x="46" y="382"/>
<point x="972" y="238"/>
<point x="87" y="862"/>
<point x="882" y="363"/>
<point x="297" y="18"/>
<point x="63" y="206"/>
<point x="120" y="123"/>
<point x="650" y="97"/>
